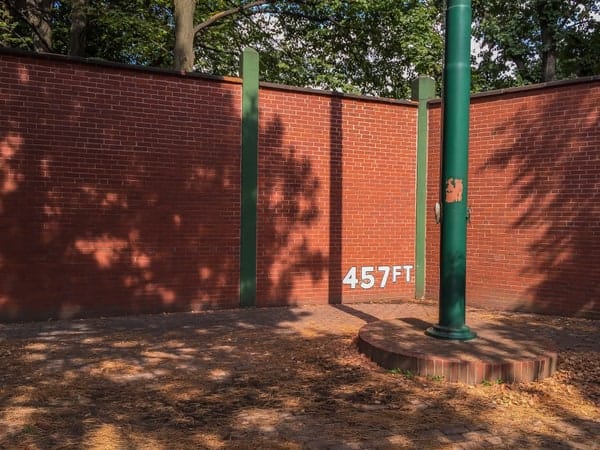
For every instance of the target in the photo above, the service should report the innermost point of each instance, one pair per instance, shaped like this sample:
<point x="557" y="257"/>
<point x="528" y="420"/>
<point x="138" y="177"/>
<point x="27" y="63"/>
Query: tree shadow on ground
<point x="554" y="161"/>
<point x="226" y="379"/>
<point x="120" y="192"/>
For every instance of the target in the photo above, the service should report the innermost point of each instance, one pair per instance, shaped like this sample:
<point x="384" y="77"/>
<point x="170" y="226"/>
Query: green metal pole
<point x="423" y="89"/>
<point x="249" y="175"/>
<point x="455" y="145"/>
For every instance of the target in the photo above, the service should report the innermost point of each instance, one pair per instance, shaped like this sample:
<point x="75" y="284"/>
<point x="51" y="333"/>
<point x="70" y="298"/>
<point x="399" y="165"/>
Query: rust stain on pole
<point x="454" y="190"/>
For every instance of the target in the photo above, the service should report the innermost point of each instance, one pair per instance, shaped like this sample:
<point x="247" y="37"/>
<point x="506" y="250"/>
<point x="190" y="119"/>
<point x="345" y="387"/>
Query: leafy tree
<point x="372" y="47"/>
<point x="135" y="31"/>
<point x="579" y="54"/>
<point x="363" y="46"/>
<point x="127" y="31"/>
<point x="13" y="33"/>
<point x="32" y="15"/>
<point x="531" y="41"/>
<point x="211" y="13"/>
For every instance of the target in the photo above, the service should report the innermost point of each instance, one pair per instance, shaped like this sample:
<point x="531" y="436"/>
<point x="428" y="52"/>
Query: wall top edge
<point x="528" y="88"/>
<point x="113" y="65"/>
<point x="169" y="72"/>
<point x="314" y="91"/>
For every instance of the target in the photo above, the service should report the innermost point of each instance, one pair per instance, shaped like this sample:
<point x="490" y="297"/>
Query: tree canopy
<point x="523" y="42"/>
<point x="362" y="46"/>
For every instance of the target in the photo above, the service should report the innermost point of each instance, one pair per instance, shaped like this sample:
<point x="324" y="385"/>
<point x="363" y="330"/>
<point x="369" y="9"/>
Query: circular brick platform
<point x="500" y="352"/>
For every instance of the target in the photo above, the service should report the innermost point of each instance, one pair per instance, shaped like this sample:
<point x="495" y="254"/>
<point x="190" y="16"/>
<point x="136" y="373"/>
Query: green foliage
<point x="513" y="36"/>
<point x="404" y="372"/>
<point x="490" y="383"/>
<point x="370" y="47"/>
<point x="13" y="33"/>
<point x="373" y="47"/>
<point x="134" y="32"/>
<point x="580" y="49"/>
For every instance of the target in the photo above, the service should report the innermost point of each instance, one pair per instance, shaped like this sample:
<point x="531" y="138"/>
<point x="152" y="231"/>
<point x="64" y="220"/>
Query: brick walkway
<point x="283" y="428"/>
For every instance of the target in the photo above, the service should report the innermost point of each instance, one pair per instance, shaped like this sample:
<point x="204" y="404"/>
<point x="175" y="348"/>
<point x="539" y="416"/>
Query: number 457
<point x="367" y="274"/>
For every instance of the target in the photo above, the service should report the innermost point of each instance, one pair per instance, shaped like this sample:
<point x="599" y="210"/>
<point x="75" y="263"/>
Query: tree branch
<point x="299" y="15"/>
<point x="230" y="12"/>
<point x="23" y="16"/>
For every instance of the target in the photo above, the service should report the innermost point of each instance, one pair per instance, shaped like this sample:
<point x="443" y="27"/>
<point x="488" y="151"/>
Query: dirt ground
<point x="275" y="378"/>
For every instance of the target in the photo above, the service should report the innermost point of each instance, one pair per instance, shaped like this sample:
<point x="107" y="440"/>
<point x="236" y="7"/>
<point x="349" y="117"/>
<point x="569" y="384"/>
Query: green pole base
<point x="463" y="333"/>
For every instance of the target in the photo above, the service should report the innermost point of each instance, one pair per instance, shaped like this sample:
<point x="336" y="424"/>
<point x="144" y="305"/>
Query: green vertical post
<point x="249" y="176"/>
<point x="423" y="89"/>
<point x="455" y="144"/>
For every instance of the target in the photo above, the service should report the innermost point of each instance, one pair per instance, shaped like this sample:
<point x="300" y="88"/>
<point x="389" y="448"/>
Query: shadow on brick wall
<point x="120" y="193"/>
<point x="288" y="210"/>
<point x="335" y="200"/>
<point x="555" y="162"/>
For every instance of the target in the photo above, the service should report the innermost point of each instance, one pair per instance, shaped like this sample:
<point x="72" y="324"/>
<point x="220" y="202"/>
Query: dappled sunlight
<point x="112" y="199"/>
<point x="111" y="209"/>
<point x="97" y="438"/>
<point x="126" y="344"/>
<point x="32" y="357"/>
<point x="168" y="296"/>
<point x="561" y="407"/>
<point x="205" y="273"/>
<point x="57" y="335"/>
<point x="106" y="200"/>
<point x="106" y="250"/>
<point x="17" y="419"/>
<point x="223" y="348"/>
<point x="107" y="210"/>
<point x="23" y="73"/>
<point x="219" y="375"/>
<point x="10" y="178"/>
<point x="205" y="175"/>
<point x="109" y="252"/>
<point x="10" y="145"/>
<point x="292" y="225"/>
<point x="269" y="377"/>
<point x="539" y="219"/>
<point x="263" y="420"/>
<point x="41" y="346"/>
<point x="154" y="356"/>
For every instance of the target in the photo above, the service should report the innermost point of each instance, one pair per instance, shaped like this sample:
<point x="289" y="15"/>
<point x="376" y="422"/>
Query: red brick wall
<point x="434" y="175"/>
<point x="119" y="193"/>
<point x="120" y="188"/>
<point x="337" y="191"/>
<point x="534" y="189"/>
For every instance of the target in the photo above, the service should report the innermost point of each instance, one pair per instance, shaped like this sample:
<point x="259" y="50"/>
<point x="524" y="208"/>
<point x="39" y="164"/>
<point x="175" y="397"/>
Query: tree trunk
<point x="185" y="30"/>
<point x="549" y="65"/>
<point x="184" y="35"/>
<point x="77" y="38"/>
<point x="35" y="13"/>
<point x="44" y="35"/>
<point x="548" y="50"/>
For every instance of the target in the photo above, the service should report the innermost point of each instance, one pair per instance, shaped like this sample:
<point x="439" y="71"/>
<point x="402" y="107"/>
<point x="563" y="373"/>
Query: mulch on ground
<point x="275" y="378"/>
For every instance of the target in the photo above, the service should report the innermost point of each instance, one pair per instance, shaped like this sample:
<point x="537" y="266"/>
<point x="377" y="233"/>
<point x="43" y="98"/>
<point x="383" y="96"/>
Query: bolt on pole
<point x="455" y="149"/>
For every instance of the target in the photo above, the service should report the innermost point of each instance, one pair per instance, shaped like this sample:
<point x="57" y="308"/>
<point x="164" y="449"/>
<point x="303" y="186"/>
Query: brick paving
<point x="501" y="351"/>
